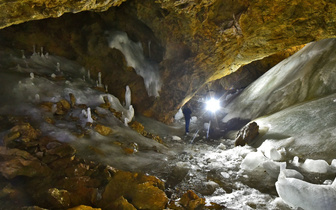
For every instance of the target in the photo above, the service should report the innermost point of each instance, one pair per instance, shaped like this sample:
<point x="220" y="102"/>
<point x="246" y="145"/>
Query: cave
<point x="93" y="98"/>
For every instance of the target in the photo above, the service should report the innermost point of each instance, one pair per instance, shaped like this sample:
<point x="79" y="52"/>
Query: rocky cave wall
<point x="194" y="42"/>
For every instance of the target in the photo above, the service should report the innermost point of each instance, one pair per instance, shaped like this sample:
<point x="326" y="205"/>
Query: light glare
<point x="212" y="105"/>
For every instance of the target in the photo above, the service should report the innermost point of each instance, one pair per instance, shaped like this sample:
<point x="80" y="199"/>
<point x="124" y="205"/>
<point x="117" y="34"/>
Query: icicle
<point x="83" y="77"/>
<point x="89" y="76"/>
<point x="47" y="55"/>
<point x="89" y="118"/>
<point x="32" y="75"/>
<point x="58" y="66"/>
<point x="106" y="88"/>
<point x="23" y="55"/>
<point x="128" y="97"/>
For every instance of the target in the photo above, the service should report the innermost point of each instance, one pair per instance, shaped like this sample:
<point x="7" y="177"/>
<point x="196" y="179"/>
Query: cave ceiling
<point x="193" y="41"/>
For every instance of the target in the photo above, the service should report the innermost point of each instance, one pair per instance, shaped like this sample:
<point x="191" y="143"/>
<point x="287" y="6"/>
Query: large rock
<point x="247" y="134"/>
<point x="143" y="192"/>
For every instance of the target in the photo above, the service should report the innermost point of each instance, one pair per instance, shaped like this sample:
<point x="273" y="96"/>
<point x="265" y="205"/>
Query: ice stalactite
<point x="135" y="58"/>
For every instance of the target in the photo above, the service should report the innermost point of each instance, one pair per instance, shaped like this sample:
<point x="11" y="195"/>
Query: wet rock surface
<point x="47" y="173"/>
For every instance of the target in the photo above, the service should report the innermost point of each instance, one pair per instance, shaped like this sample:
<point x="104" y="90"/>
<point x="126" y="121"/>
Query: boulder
<point x="247" y="134"/>
<point x="143" y="192"/>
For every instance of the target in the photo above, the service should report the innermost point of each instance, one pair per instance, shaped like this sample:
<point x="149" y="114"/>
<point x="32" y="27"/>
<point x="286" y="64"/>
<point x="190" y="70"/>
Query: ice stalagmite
<point x="128" y="97"/>
<point x="298" y="193"/>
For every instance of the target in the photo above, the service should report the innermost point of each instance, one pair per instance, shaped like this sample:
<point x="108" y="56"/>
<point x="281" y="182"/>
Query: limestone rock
<point x="247" y="134"/>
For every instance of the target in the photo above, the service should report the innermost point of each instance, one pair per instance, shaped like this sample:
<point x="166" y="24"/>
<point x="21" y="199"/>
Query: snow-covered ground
<point x="301" y="136"/>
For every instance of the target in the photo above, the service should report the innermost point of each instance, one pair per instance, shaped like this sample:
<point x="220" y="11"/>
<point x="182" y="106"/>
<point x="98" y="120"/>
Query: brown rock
<point x="47" y="106"/>
<point x="82" y="207"/>
<point x="21" y="11"/>
<point x="103" y="130"/>
<point x="62" y="107"/>
<point x="82" y="189"/>
<point x="25" y="131"/>
<point x="142" y="191"/>
<point x="59" y="199"/>
<point x="191" y="201"/>
<point x="247" y="134"/>
<point x="72" y="100"/>
<point x="15" y="162"/>
<point x="137" y="126"/>
<point x="121" y="203"/>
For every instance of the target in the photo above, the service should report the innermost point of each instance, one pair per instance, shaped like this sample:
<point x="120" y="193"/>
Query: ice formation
<point x="100" y="84"/>
<point x="89" y="118"/>
<point x="128" y="97"/>
<point x="135" y="58"/>
<point x="315" y="166"/>
<point x="307" y="74"/>
<point x="298" y="193"/>
<point x="178" y="115"/>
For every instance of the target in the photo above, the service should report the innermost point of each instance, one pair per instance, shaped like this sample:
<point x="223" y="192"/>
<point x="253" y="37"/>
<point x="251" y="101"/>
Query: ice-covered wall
<point x="308" y="74"/>
<point x="135" y="58"/>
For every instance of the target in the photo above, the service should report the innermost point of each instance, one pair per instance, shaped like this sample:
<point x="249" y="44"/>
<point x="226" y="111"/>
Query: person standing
<point x="187" y="116"/>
